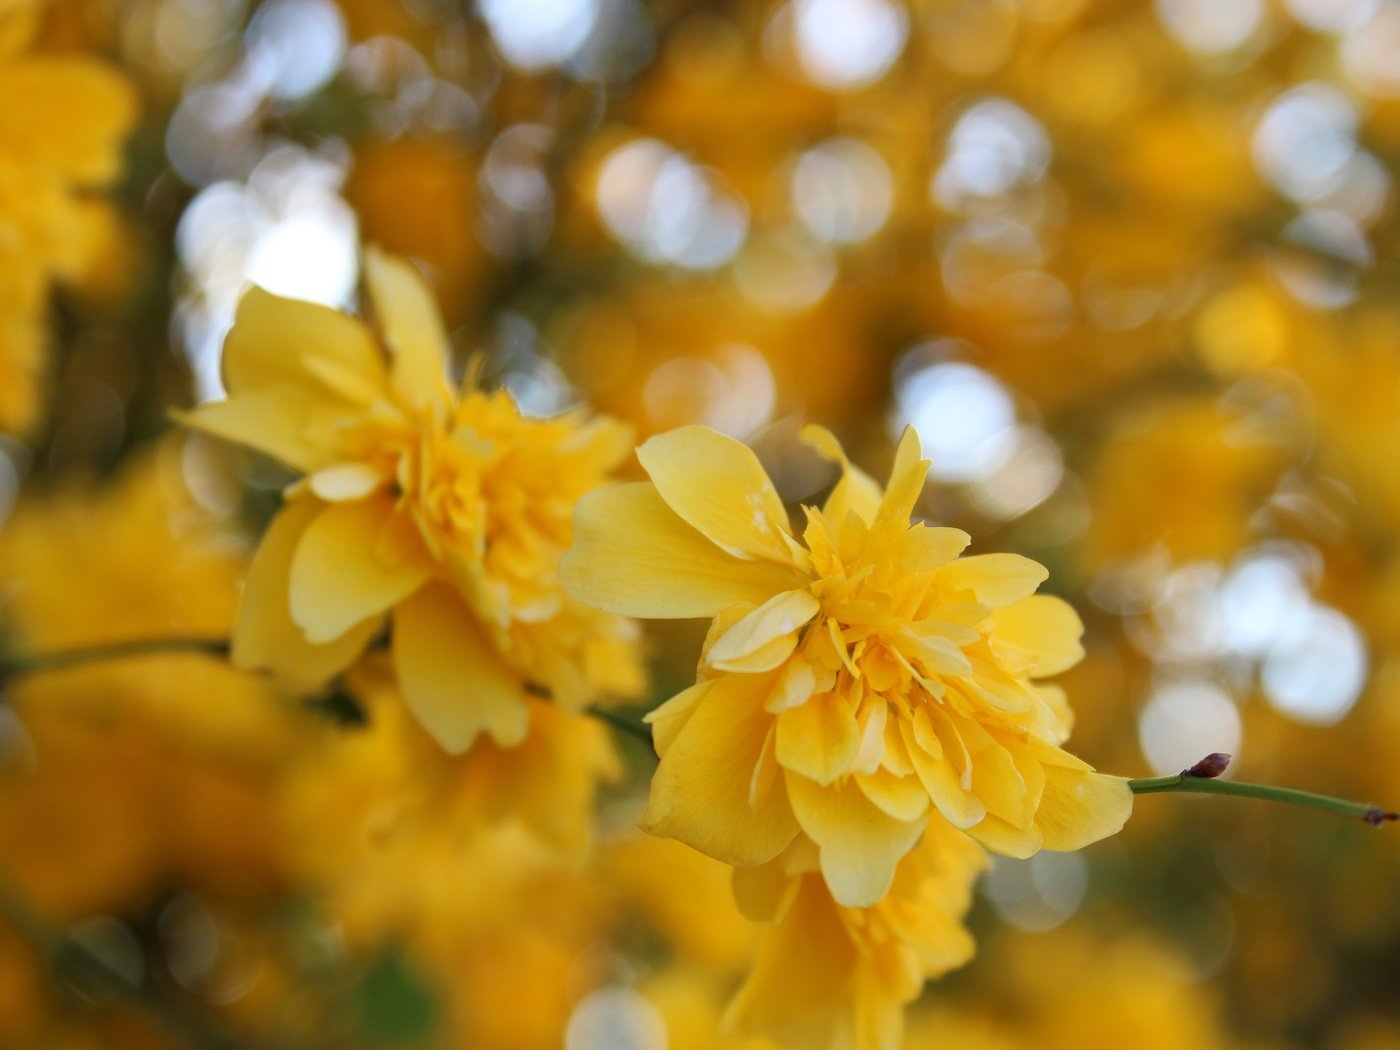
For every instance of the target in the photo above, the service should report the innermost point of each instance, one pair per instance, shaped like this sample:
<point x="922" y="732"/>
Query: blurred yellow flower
<point x="149" y="787"/>
<point x="447" y="511"/>
<point x="390" y="775"/>
<point x="833" y="977"/>
<point x="850" y="679"/>
<point x="62" y="122"/>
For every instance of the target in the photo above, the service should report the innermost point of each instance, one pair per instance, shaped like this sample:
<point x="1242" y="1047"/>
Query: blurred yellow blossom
<point x="852" y="683"/>
<point x="61" y="127"/>
<point x="149" y="770"/>
<point x="446" y="511"/>
<point x="390" y="775"/>
<point x="833" y="977"/>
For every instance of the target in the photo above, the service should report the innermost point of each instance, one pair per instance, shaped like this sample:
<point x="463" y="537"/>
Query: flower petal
<point x="1046" y="627"/>
<point x="700" y="793"/>
<point x="633" y="555"/>
<point x="779" y="618"/>
<point x="958" y="805"/>
<point x="717" y="485"/>
<point x="668" y="719"/>
<point x="906" y="479"/>
<point x="999" y="836"/>
<point x="798" y="991"/>
<point x="924" y="547"/>
<point x="281" y="342"/>
<point x="860" y="844"/>
<point x="407" y="315"/>
<point x="762" y="891"/>
<point x="266" y="637"/>
<point x="819" y="739"/>
<point x="452" y="678"/>
<point x="66" y="116"/>
<point x="902" y="797"/>
<point x="855" y="490"/>
<point x="336" y="579"/>
<point x="345" y="481"/>
<point x="1079" y="807"/>
<point x="275" y="420"/>
<point x="995" y="580"/>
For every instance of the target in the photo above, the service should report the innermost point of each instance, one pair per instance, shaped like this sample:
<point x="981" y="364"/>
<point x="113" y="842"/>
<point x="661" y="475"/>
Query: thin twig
<point x="1201" y="779"/>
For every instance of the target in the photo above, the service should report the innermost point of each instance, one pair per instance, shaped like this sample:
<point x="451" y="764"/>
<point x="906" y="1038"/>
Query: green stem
<point x="1188" y="782"/>
<point x="22" y="664"/>
<point x="640" y="730"/>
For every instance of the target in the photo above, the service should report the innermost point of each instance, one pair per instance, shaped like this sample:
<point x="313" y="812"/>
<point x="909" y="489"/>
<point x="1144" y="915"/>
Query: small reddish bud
<point x="1209" y="767"/>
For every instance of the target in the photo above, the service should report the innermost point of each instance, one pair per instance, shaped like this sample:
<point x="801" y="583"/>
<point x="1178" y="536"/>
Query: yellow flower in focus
<point x="62" y="121"/>
<point x="446" y="512"/>
<point x="833" y="977"/>
<point x="852" y="683"/>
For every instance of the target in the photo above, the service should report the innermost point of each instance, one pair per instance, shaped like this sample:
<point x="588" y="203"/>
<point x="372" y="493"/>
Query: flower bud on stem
<point x="1201" y="779"/>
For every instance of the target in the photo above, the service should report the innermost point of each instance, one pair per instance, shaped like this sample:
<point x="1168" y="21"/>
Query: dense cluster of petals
<point x="438" y="514"/>
<point x="830" y="976"/>
<point x="62" y="121"/>
<point x="860" y="676"/>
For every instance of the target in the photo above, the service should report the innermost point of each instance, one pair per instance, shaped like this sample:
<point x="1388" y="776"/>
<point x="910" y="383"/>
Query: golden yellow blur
<point x="1105" y="288"/>
<point x="61" y="130"/>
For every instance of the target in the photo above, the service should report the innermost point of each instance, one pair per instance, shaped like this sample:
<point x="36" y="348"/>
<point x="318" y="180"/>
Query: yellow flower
<point x="62" y="121"/>
<point x="446" y="512"/>
<point x="833" y="977"/>
<point x="850" y="679"/>
<point x="149" y="786"/>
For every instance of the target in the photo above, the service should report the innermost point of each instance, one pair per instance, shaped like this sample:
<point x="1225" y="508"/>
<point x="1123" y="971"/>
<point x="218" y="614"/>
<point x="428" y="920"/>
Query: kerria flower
<point x="828" y="977"/>
<point x="62" y="121"/>
<point x="438" y="512"/>
<point x="853" y="681"/>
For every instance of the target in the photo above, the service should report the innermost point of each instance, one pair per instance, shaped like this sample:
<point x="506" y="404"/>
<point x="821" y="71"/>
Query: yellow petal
<point x="345" y="481"/>
<point x="274" y="419"/>
<point x="995" y="580"/>
<point x="266" y="637"/>
<point x="872" y="717"/>
<point x="855" y="491"/>
<point x="777" y="619"/>
<point x="798" y="991"/>
<point x="1080" y="807"/>
<point x="452" y="678"/>
<point x="700" y="793"/>
<point x="927" y="644"/>
<point x="995" y="778"/>
<point x="407" y="316"/>
<point x="958" y="805"/>
<point x="902" y="797"/>
<point x="798" y="680"/>
<point x="336" y="579"/>
<point x="1007" y="839"/>
<point x="906" y="479"/>
<point x="923" y="547"/>
<point x="633" y="555"/>
<point x="666" y="721"/>
<point x="716" y="484"/>
<point x="1045" y="626"/>
<point x="860" y="844"/>
<point x="66" y="116"/>
<point x="286" y="342"/>
<point x="759" y="892"/>
<point x="820" y="738"/>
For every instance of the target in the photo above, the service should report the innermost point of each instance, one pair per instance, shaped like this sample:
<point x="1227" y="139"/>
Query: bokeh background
<point x="1130" y="269"/>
